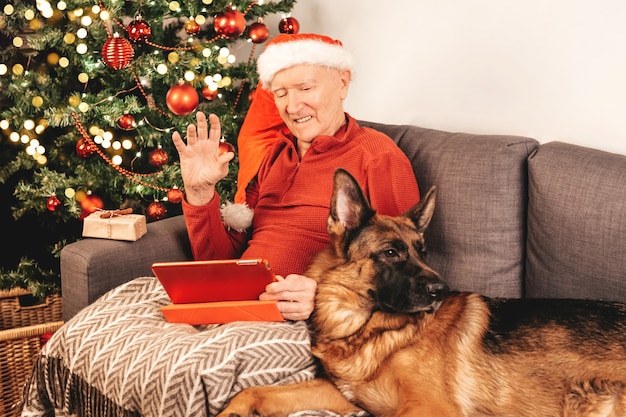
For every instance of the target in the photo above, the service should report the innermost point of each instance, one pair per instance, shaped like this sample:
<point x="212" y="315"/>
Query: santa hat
<point x="287" y="50"/>
<point x="260" y="129"/>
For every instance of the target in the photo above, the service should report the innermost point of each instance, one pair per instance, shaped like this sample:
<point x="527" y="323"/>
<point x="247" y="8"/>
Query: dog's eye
<point x="391" y="253"/>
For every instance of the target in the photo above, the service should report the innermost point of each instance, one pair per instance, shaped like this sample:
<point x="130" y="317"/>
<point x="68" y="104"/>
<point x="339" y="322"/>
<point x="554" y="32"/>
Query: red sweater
<point x="291" y="198"/>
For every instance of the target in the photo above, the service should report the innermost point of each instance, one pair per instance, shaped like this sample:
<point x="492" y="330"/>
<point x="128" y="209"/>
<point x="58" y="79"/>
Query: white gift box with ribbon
<point x="114" y="225"/>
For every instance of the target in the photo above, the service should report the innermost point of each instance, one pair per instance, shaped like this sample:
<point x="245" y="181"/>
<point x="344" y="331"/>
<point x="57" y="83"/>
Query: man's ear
<point x="345" y="77"/>
<point x="349" y="209"/>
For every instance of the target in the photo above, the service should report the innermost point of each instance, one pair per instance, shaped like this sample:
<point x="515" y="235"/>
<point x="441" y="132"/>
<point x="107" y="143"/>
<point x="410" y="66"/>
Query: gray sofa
<point x="513" y="219"/>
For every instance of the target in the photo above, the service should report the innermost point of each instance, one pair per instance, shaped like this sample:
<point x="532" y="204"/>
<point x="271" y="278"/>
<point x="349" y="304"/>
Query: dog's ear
<point x="349" y="209"/>
<point x="422" y="213"/>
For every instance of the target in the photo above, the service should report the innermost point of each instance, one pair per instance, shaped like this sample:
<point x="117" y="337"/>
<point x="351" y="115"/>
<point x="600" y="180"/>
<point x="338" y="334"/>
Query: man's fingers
<point x="203" y="127"/>
<point x="215" y="132"/>
<point x="191" y="134"/>
<point x="178" y="142"/>
<point x="225" y="158"/>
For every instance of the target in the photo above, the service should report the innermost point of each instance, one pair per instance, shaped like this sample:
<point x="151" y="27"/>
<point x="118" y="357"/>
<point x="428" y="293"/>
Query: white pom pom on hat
<point x="287" y="50"/>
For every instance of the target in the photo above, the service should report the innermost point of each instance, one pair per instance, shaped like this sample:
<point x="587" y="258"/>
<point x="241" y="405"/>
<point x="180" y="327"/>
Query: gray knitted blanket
<point x="119" y="357"/>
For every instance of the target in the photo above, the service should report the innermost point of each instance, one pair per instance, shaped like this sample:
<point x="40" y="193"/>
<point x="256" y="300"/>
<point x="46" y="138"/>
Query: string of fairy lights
<point x="117" y="53"/>
<point x="34" y="148"/>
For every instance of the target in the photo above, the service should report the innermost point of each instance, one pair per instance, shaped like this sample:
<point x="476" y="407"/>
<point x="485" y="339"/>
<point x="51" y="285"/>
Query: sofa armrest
<point x="91" y="267"/>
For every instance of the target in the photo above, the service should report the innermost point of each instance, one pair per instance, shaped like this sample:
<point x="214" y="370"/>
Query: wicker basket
<point x="18" y="308"/>
<point x="18" y="350"/>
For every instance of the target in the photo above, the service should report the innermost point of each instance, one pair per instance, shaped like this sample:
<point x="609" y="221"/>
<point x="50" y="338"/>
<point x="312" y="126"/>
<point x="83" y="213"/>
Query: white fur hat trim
<point x="280" y="56"/>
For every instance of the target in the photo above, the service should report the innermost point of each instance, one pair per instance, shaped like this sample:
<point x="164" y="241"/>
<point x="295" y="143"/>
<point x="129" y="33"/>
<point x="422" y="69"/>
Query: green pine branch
<point x="44" y="99"/>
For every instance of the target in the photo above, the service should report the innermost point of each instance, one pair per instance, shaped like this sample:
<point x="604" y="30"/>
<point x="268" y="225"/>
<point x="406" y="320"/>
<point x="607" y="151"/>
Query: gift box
<point x="113" y="225"/>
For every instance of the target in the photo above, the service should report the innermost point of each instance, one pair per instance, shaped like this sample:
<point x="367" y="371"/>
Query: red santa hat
<point x="287" y="50"/>
<point x="262" y="124"/>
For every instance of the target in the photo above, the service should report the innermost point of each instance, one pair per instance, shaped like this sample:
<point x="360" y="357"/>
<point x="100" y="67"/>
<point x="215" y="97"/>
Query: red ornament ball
<point x="230" y="23"/>
<point x="117" y="52"/>
<point x="192" y="27"/>
<point x="84" y="149"/>
<point x="138" y="30"/>
<point x="53" y="203"/>
<point x="225" y="147"/>
<point x="258" y="32"/>
<point x="158" y="157"/>
<point x="156" y="210"/>
<point x="209" y="94"/>
<point x="182" y="99"/>
<point x="90" y="204"/>
<point x="289" y="25"/>
<point x="175" y="195"/>
<point x="126" y="122"/>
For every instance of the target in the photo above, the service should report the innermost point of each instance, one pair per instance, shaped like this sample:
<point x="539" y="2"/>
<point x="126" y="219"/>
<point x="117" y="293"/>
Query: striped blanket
<point x="119" y="357"/>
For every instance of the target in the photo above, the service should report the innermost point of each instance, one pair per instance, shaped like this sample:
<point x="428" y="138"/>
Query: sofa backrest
<point x="576" y="223"/>
<point x="476" y="240"/>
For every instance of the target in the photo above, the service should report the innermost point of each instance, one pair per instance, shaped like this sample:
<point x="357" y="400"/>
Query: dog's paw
<point x="245" y="404"/>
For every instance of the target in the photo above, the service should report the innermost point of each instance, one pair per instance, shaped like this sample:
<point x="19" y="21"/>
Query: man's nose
<point x="294" y="102"/>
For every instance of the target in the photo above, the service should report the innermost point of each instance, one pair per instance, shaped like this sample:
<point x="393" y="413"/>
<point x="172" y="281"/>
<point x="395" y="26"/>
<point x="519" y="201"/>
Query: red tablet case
<point x="220" y="291"/>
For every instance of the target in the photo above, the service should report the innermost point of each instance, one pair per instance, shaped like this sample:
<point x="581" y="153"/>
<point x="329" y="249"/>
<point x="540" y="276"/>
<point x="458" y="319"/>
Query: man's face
<point x="309" y="99"/>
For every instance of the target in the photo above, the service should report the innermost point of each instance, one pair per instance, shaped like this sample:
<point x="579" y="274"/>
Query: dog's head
<point x="388" y="251"/>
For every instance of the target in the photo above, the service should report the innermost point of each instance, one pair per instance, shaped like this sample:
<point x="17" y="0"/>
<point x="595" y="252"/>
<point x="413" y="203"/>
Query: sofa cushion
<point x="577" y="223"/>
<point x="476" y="239"/>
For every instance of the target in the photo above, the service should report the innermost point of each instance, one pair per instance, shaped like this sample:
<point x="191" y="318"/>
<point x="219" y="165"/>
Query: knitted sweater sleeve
<point x="391" y="183"/>
<point x="208" y="236"/>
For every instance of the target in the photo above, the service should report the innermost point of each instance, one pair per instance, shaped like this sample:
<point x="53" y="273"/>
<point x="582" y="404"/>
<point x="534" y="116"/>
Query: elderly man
<point x="295" y="135"/>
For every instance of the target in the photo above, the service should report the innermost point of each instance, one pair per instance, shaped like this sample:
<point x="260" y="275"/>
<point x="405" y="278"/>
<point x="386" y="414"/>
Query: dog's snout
<point x="409" y="289"/>
<point x="437" y="289"/>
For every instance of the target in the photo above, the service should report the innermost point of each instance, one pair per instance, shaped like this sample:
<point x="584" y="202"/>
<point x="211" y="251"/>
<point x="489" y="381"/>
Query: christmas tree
<point x="90" y="93"/>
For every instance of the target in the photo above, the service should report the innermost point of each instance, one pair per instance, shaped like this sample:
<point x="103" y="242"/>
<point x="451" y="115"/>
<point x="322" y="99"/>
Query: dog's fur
<point x="394" y="341"/>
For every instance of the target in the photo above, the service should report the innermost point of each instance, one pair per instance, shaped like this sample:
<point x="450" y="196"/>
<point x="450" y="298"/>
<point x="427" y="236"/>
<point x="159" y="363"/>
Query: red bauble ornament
<point x="225" y="147"/>
<point x="158" y="157"/>
<point x="138" y="30"/>
<point x="84" y="149"/>
<point x="209" y="94"/>
<point x="117" y="52"/>
<point x="289" y="25"/>
<point x="53" y="203"/>
<point x="192" y="27"/>
<point x="175" y="195"/>
<point x="230" y="23"/>
<point x="258" y="32"/>
<point x="126" y="122"/>
<point x="182" y="99"/>
<point x="90" y="204"/>
<point x="156" y="210"/>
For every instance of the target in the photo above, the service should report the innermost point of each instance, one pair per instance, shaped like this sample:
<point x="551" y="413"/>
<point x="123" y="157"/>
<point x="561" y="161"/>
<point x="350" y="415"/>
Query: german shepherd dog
<point x="394" y="341"/>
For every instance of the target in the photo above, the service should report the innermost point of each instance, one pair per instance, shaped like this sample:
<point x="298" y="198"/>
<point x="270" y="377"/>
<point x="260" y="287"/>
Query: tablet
<point x="214" y="281"/>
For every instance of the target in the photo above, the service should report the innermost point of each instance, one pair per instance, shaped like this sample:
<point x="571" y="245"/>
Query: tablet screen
<point x="212" y="281"/>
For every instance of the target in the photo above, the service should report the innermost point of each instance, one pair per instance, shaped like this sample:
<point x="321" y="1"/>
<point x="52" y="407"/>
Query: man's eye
<point x="280" y="93"/>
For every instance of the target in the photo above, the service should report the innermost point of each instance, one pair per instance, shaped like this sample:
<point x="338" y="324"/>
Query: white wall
<point x="550" y="69"/>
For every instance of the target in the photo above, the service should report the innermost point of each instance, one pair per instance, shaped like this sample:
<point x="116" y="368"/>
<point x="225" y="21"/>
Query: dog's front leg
<point x="280" y="401"/>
